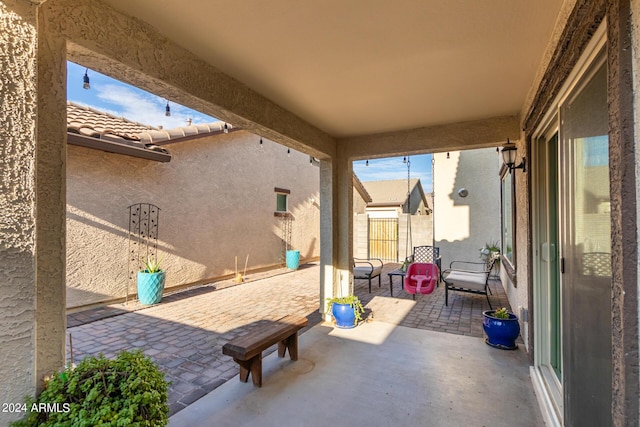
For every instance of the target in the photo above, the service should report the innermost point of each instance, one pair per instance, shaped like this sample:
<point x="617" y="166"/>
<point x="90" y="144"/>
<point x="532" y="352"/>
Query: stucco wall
<point x="464" y="225"/>
<point x="518" y="292"/>
<point x="217" y="201"/>
<point x="635" y="22"/>
<point x="17" y="198"/>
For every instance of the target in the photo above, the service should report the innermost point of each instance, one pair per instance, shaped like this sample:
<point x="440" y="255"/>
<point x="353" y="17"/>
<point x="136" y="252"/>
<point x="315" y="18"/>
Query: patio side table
<point x="396" y="272"/>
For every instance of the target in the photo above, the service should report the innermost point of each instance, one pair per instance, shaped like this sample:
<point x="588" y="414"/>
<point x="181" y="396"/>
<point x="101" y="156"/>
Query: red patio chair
<point x="421" y="278"/>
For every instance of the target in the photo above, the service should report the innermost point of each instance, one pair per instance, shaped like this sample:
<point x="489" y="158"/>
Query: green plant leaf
<point x="129" y="390"/>
<point x="352" y="300"/>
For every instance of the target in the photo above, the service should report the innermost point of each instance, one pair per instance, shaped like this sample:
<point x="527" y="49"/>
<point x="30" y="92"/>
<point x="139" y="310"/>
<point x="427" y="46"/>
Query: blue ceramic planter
<point x="501" y="333"/>
<point x="344" y="314"/>
<point x="150" y="287"/>
<point x="293" y="260"/>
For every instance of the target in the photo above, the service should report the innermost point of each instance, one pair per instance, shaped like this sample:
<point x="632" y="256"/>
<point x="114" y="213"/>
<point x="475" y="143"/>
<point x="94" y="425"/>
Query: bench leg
<point x="369" y="284"/>
<point x="446" y="294"/>
<point x="252" y="366"/>
<point x="290" y="343"/>
<point x="391" y="284"/>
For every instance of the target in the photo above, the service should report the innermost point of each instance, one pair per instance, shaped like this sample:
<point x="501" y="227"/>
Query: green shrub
<point x="126" y="391"/>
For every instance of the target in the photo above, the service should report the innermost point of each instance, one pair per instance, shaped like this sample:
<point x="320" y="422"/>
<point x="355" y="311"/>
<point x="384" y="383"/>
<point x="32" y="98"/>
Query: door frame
<point x="548" y="388"/>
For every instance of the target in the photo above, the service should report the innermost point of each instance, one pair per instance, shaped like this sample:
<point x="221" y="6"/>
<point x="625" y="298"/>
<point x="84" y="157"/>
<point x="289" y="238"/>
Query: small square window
<point x="281" y="202"/>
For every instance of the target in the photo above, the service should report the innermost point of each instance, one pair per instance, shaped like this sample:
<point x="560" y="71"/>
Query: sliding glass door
<point x="572" y="253"/>
<point x="547" y="295"/>
<point x="586" y="251"/>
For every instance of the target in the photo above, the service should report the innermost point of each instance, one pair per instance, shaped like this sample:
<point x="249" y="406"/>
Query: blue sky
<point x="394" y="168"/>
<point x="120" y="99"/>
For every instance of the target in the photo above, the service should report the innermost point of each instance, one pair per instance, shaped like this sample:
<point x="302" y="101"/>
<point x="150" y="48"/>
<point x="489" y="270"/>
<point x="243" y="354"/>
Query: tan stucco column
<point x="32" y="203"/>
<point x="50" y="212"/>
<point x="336" y="223"/>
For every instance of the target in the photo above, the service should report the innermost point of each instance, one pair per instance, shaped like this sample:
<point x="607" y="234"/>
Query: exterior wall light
<point x="509" y="152"/>
<point x="167" y="110"/>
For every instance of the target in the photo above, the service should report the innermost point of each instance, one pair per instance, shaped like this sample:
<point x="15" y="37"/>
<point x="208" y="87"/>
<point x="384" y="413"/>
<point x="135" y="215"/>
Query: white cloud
<point x="145" y="108"/>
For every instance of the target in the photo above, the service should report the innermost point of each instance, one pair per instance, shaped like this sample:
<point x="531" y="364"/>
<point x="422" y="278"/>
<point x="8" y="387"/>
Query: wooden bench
<point x="247" y="350"/>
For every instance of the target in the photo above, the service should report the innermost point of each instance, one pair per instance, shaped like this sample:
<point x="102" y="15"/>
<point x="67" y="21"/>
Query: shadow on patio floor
<point x="185" y="333"/>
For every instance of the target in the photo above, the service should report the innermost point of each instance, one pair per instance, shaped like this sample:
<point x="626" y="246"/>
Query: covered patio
<point x="400" y="340"/>
<point x="378" y="374"/>
<point x="346" y="81"/>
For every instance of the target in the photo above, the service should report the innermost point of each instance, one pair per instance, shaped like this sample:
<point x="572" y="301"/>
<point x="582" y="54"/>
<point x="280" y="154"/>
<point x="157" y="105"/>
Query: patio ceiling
<point x="362" y="67"/>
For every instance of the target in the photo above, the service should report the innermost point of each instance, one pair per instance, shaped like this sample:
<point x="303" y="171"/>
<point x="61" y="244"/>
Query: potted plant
<point x="151" y="281"/>
<point x="128" y="390"/>
<point x="347" y="311"/>
<point x="490" y="251"/>
<point x="502" y="328"/>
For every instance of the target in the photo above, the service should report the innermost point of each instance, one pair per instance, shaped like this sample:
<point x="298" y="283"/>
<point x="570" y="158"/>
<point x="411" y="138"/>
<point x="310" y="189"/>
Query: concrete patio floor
<point x="185" y="333"/>
<point x="378" y="374"/>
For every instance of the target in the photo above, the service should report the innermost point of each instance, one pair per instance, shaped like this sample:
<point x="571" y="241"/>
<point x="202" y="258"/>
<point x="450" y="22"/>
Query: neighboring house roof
<point x="392" y="192"/>
<point x="357" y="184"/>
<point x="91" y="128"/>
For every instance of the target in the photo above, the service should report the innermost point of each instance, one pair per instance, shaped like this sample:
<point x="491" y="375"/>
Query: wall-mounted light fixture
<point x="225" y="129"/>
<point x="509" y="152"/>
<point x="367" y="163"/>
<point x="448" y="156"/>
<point x="167" y="110"/>
<point x="85" y="80"/>
<point x="261" y="145"/>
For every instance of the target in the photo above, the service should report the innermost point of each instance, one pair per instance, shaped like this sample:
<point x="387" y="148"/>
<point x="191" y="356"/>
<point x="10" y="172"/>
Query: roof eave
<point x="115" y="147"/>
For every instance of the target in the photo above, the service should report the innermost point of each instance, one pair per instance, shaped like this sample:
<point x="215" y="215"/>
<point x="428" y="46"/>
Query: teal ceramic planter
<point x="293" y="260"/>
<point x="150" y="287"/>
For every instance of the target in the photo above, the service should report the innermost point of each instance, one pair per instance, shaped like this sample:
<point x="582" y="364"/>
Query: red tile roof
<point x="89" y="122"/>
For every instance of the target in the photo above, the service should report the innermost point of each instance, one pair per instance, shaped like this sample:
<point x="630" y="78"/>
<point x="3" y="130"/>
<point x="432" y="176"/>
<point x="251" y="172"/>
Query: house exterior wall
<point x="635" y="22"/>
<point x="464" y="225"/>
<point x="580" y="21"/>
<point x="417" y="205"/>
<point x="202" y="228"/>
<point x="359" y="204"/>
<point x="32" y="89"/>
<point x="17" y="233"/>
